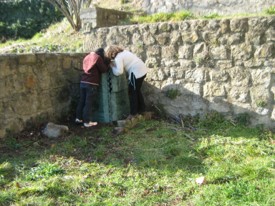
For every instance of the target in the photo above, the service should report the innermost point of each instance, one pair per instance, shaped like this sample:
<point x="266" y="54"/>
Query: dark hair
<point x="100" y="52"/>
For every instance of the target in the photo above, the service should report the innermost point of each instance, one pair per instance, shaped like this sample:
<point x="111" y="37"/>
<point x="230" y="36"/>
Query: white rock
<point x="54" y="130"/>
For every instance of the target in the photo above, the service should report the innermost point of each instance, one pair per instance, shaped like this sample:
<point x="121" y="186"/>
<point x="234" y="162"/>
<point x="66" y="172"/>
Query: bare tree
<point x="71" y="10"/>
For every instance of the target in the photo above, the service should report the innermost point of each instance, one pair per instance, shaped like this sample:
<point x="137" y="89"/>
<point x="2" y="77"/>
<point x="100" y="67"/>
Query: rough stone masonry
<point x="198" y="66"/>
<point x="195" y="67"/>
<point x="204" y="7"/>
<point x="36" y="89"/>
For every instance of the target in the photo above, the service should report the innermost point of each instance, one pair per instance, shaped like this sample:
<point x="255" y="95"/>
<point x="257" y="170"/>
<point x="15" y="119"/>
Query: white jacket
<point x="130" y="63"/>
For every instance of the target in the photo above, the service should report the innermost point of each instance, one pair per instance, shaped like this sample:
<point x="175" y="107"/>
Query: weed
<point x="43" y="170"/>
<point x="140" y="45"/>
<point x="212" y="16"/>
<point x="172" y="93"/>
<point x="159" y="110"/>
<point x="11" y="141"/>
<point x="243" y="119"/>
<point x="270" y="11"/>
<point x="6" y="198"/>
<point x="199" y="60"/>
<point x="212" y="120"/>
<point x="261" y="103"/>
<point x="7" y="172"/>
<point x="182" y="15"/>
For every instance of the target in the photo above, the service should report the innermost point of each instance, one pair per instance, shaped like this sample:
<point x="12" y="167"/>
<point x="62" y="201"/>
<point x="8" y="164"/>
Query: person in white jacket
<point x="126" y="61"/>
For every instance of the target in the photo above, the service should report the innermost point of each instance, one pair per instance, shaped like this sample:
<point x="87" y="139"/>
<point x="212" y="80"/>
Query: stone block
<point x="239" y="95"/>
<point x="154" y="51"/>
<point x="270" y="33"/>
<point x="186" y="52"/>
<point x="239" y="25"/>
<point x="265" y="51"/>
<point x="257" y="25"/>
<point x="219" y="53"/>
<point x="148" y="39"/>
<point x="220" y="105"/>
<point x="195" y="75"/>
<point x="54" y="130"/>
<point x="239" y="76"/>
<point x="242" y="51"/>
<point x="219" y="75"/>
<point x="5" y="69"/>
<point x="168" y="52"/>
<point x="163" y="39"/>
<point x="212" y="89"/>
<point x="190" y="37"/>
<point x="152" y="62"/>
<point x="100" y="17"/>
<point x="27" y="59"/>
<point x="67" y="63"/>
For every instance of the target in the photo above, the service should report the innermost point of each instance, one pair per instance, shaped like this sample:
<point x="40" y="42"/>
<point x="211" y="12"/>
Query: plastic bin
<point x="113" y="100"/>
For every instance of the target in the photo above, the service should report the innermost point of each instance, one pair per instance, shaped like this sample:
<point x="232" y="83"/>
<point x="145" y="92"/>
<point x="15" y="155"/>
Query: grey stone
<point x="54" y="130"/>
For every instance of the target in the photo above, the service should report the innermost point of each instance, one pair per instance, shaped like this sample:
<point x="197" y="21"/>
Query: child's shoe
<point x="90" y="124"/>
<point x="78" y="121"/>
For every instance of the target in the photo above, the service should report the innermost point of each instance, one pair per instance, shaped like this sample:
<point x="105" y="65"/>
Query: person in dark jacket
<point x="93" y="65"/>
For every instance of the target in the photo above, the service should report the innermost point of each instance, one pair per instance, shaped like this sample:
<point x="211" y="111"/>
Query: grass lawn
<point x="154" y="163"/>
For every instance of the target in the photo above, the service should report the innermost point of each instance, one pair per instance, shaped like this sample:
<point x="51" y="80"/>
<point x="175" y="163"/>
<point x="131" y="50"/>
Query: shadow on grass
<point x="150" y="144"/>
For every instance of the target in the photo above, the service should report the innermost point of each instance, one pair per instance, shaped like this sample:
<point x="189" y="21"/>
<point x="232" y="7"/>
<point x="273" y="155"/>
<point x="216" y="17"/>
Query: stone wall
<point x="95" y="17"/>
<point x="204" y="6"/>
<point x="195" y="67"/>
<point x="198" y="66"/>
<point x="36" y="88"/>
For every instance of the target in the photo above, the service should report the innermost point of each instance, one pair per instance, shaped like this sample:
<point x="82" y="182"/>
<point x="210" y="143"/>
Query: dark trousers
<point x="137" y="104"/>
<point x="88" y="94"/>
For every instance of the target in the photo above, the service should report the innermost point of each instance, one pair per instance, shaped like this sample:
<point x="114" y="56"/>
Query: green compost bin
<point x="112" y="103"/>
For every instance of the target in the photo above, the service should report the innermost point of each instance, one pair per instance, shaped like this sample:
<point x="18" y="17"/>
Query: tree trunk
<point x="71" y="10"/>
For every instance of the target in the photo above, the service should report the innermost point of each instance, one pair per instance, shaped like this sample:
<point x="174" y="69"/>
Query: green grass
<point x="184" y="15"/>
<point x="161" y="17"/>
<point x="154" y="163"/>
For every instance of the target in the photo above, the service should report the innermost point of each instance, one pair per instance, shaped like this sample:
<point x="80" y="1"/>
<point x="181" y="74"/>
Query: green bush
<point x="24" y="18"/>
<point x="172" y="93"/>
<point x="270" y="11"/>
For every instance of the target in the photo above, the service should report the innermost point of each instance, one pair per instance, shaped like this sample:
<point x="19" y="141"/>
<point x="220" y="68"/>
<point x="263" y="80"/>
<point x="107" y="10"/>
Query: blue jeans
<point x="88" y="94"/>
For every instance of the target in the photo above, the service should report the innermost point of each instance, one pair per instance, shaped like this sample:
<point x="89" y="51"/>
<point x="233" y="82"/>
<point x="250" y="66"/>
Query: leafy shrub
<point x="270" y="11"/>
<point x="172" y="93"/>
<point x="24" y="18"/>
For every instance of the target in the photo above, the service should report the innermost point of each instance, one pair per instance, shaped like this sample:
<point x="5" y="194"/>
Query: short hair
<point x="113" y="50"/>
